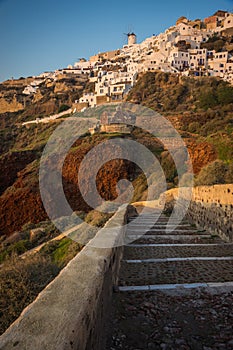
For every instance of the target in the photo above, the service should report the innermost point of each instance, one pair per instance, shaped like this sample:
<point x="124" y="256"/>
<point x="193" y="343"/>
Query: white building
<point x="154" y="61"/>
<point x="228" y="21"/>
<point x="198" y="59"/>
<point x="113" y="85"/>
<point x="30" y="90"/>
<point x="217" y="64"/>
<point x="179" y="59"/>
<point x="89" y="98"/>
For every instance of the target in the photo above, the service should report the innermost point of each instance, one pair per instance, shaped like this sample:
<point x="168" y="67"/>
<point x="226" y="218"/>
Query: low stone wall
<point x="211" y="208"/>
<point x="112" y="128"/>
<point x="70" y="313"/>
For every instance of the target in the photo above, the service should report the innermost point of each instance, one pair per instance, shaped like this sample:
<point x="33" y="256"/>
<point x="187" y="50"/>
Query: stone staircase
<point x="186" y="256"/>
<point x="171" y="284"/>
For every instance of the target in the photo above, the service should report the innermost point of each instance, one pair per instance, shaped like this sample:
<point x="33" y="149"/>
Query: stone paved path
<point x="175" y="289"/>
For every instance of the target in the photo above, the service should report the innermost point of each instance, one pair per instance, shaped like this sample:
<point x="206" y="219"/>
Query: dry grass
<point x="20" y="282"/>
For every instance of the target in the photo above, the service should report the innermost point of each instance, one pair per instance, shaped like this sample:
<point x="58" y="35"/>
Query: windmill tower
<point x="132" y="38"/>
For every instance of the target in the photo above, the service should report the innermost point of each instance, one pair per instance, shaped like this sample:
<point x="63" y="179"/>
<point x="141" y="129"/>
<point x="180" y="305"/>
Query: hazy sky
<point x="44" y="35"/>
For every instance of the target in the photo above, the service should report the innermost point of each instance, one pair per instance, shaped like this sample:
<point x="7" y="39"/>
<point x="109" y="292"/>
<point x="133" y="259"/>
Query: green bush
<point x="16" y="248"/>
<point x="214" y="173"/>
<point x="65" y="251"/>
<point x="194" y="127"/>
<point x="168" y="166"/>
<point x="229" y="174"/>
<point x="208" y="99"/>
<point x="225" y="95"/>
<point x="63" y="108"/>
<point x="96" y="218"/>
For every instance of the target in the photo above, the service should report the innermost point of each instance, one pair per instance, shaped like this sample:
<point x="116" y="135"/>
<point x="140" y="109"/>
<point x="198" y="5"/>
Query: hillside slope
<point x="200" y="108"/>
<point x="21" y="202"/>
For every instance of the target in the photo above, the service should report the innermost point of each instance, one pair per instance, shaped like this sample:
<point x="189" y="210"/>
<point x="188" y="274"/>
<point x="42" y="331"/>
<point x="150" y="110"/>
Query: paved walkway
<point x="175" y="289"/>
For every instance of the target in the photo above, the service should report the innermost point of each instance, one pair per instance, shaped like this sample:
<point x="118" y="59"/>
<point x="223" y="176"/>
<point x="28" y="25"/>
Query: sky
<point x="44" y="35"/>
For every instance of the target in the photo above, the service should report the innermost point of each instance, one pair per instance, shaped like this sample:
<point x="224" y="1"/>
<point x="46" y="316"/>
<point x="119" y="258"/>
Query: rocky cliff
<point x="47" y="99"/>
<point x="20" y="200"/>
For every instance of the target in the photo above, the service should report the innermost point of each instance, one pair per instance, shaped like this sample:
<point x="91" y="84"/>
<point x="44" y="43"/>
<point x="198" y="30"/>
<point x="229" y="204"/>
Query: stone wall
<point x="211" y="208"/>
<point x="112" y="128"/>
<point x="79" y="106"/>
<point x="71" y="312"/>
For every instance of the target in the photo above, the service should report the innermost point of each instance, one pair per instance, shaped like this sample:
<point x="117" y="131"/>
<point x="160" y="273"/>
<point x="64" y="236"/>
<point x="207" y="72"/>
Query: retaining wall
<point x="211" y="207"/>
<point x="71" y="312"/>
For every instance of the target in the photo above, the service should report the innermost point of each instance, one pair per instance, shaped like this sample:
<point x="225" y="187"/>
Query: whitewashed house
<point x="198" y="59"/>
<point x="217" y="64"/>
<point x="179" y="59"/>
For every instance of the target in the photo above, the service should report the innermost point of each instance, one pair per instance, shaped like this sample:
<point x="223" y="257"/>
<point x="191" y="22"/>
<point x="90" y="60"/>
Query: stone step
<point x="192" y="258"/>
<point x="163" y="224"/>
<point x="157" y="217"/>
<point x="176" y="272"/>
<point x="158" y="222"/>
<point x="184" y="251"/>
<point x="161" y="231"/>
<point x="178" y="245"/>
<point x="161" y="227"/>
<point x="171" y="239"/>
<point x="178" y="287"/>
<point x="149" y="216"/>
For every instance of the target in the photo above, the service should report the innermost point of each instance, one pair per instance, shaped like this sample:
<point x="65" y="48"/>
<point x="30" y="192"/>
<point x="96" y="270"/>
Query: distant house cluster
<point x="109" y="87"/>
<point x="178" y="50"/>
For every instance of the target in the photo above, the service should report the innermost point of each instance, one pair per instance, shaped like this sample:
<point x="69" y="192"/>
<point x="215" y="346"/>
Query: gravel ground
<point x="175" y="272"/>
<point x="197" y="320"/>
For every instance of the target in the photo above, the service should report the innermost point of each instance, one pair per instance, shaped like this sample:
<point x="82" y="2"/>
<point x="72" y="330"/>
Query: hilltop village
<point x="189" y="48"/>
